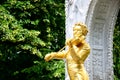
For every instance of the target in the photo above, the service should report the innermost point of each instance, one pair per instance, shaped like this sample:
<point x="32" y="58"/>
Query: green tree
<point x="28" y="30"/>
<point x="116" y="49"/>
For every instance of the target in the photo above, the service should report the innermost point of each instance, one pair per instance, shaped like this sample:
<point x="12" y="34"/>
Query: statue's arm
<point x="55" y="55"/>
<point x="59" y="55"/>
<point x="83" y="54"/>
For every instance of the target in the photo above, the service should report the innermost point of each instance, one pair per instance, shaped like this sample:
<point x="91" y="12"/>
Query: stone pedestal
<point x="100" y="17"/>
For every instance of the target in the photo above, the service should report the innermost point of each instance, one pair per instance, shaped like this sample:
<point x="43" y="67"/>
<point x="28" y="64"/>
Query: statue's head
<point x="79" y="30"/>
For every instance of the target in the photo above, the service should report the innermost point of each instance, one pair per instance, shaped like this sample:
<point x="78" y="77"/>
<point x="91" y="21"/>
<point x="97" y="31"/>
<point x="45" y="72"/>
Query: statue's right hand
<point x="48" y="57"/>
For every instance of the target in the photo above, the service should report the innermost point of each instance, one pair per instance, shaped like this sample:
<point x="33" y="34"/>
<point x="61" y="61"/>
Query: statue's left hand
<point x="69" y="42"/>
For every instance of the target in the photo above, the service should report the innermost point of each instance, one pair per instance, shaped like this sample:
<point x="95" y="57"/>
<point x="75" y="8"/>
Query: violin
<point x="77" y="41"/>
<point x="73" y="41"/>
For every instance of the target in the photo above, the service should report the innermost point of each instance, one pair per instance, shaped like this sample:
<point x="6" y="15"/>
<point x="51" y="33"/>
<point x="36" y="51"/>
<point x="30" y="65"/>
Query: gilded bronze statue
<point x="76" y="54"/>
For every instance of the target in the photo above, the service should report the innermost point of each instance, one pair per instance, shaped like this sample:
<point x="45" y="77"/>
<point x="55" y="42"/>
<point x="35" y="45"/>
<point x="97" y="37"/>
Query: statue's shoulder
<point x="86" y="46"/>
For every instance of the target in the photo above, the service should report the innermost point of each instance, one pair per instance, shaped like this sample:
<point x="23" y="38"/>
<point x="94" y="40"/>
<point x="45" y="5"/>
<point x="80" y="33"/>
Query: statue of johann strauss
<point x="78" y="51"/>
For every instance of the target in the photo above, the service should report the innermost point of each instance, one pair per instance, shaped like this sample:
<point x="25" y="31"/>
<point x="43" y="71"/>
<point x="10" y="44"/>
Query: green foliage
<point x="116" y="49"/>
<point x="12" y="33"/>
<point x="29" y="29"/>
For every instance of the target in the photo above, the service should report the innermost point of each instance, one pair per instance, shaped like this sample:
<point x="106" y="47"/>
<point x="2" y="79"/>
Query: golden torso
<point x="75" y="66"/>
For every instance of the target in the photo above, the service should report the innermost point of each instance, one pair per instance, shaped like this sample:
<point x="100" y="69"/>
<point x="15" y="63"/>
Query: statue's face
<point x="77" y="31"/>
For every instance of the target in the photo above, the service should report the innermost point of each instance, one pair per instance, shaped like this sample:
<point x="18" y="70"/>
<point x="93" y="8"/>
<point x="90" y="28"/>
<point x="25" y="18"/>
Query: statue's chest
<point x="72" y="53"/>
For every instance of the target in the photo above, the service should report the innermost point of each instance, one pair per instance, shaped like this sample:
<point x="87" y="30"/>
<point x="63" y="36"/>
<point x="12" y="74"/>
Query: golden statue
<point x="78" y="51"/>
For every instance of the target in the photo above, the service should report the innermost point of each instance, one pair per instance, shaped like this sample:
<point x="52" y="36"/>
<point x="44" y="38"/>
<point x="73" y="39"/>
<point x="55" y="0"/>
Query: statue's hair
<point x="84" y="28"/>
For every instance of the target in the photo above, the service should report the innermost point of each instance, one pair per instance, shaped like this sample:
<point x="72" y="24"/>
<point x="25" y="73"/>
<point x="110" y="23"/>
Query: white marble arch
<point x="100" y="17"/>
